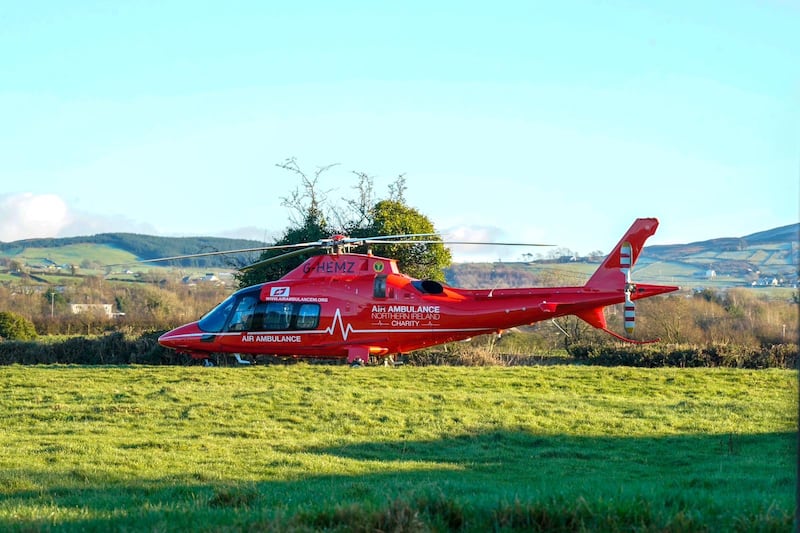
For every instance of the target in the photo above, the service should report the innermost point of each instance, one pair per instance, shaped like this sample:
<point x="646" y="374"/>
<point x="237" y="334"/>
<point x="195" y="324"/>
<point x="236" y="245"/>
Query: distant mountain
<point x="790" y="233"/>
<point x="784" y="235"/>
<point x="141" y="247"/>
<point x="775" y="252"/>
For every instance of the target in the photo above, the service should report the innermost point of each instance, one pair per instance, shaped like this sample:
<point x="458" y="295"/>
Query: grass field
<point x="309" y="447"/>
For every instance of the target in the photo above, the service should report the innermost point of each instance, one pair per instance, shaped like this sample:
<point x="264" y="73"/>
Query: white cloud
<point x="476" y="253"/>
<point x="31" y="216"/>
<point x="28" y="215"/>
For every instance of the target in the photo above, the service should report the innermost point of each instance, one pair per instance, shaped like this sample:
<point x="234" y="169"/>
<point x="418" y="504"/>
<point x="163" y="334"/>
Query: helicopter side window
<point x="278" y="315"/>
<point x="307" y="316"/>
<point x="379" y="289"/>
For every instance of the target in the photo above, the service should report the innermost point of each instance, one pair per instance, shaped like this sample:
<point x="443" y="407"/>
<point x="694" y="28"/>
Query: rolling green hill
<point x="772" y="252"/>
<point x="117" y="248"/>
<point x="756" y="258"/>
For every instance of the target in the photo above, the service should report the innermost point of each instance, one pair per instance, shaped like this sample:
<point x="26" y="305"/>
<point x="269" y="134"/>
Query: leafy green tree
<point x="361" y="217"/>
<point x="422" y="261"/>
<point x="16" y="327"/>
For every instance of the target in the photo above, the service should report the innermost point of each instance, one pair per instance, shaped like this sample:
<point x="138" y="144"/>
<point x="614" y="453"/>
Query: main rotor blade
<point x="404" y="236"/>
<point x="497" y="243"/>
<point x="190" y="256"/>
<point x="405" y="241"/>
<point x="222" y="252"/>
<point x="428" y="241"/>
<point x="281" y="257"/>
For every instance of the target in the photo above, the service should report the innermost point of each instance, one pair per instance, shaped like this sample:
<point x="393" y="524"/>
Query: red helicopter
<point x="360" y="308"/>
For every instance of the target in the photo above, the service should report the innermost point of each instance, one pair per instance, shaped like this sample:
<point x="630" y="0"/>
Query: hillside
<point x="773" y="252"/>
<point x="115" y="248"/>
<point x="785" y="237"/>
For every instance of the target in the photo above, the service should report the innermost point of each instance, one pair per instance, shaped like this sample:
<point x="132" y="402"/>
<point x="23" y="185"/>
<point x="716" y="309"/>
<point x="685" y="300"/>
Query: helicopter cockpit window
<point x="242" y="318"/>
<point x="214" y="320"/>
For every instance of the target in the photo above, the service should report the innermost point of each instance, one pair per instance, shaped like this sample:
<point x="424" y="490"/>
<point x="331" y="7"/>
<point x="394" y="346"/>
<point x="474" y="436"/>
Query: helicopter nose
<point x="166" y="339"/>
<point x="182" y="337"/>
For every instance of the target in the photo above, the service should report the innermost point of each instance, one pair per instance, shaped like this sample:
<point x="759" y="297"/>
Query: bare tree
<point x="362" y="206"/>
<point x="397" y="190"/>
<point x="307" y="200"/>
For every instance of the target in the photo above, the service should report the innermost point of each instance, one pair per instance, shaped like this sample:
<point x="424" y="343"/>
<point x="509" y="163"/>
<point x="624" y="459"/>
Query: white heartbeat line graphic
<point x="346" y="330"/>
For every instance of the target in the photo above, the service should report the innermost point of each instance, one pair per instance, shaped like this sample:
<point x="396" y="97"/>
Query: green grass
<point x="309" y="447"/>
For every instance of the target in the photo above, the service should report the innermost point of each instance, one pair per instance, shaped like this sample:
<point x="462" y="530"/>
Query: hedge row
<point x="119" y="349"/>
<point x="110" y="349"/>
<point x="718" y="355"/>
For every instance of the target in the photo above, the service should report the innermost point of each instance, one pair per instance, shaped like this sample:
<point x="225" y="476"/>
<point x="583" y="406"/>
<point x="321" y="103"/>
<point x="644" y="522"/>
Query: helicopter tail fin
<point x="615" y="269"/>
<point x="615" y="274"/>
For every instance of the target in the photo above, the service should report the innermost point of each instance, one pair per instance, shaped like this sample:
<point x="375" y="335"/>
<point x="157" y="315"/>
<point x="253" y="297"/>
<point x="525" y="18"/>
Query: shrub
<point x="16" y="327"/>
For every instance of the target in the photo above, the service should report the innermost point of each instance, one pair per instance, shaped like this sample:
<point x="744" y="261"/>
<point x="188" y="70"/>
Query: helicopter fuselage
<point x="354" y="306"/>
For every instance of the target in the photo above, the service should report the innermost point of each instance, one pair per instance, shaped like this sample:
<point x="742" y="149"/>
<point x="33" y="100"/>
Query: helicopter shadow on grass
<point x="663" y="475"/>
<point x="453" y="481"/>
<point x="521" y="455"/>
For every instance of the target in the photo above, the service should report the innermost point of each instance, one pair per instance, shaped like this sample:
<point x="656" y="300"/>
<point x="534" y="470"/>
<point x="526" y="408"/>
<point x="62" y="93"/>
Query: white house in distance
<point x="219" y="279"/>
<point x="105" y="309"/>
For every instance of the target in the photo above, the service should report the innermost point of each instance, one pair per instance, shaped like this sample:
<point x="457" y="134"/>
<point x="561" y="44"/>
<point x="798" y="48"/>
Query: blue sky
<point x="553" y="122"/>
